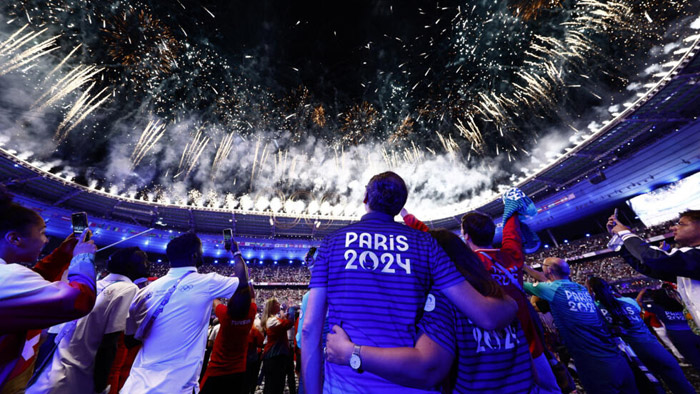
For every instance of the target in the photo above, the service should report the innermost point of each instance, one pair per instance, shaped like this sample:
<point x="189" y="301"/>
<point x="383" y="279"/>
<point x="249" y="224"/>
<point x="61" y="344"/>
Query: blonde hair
<point x="267" y="312"/>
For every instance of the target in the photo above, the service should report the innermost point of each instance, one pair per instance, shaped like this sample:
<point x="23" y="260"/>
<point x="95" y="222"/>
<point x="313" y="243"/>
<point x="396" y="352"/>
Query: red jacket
<point x="23" y="317"/>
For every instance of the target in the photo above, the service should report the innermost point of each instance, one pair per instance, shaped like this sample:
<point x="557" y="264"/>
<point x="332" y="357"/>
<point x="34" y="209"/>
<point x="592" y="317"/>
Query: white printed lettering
<point x="388" y="260"/>
<point x="406" y="265"/>
<point x="380" y="242"/>
<point x="401" y="240"/>
<point x="350" y="256"/>
<point x="365" y="240"/>
<point x="350" y="238"/>
<point x="487" y="340"/>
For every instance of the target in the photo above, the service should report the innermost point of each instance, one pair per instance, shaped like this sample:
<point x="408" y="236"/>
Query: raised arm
<point x="413" y="222"/>
<point x="52" y="266"/>
<point x="39" y="303"/>
<point x="512" y="243"/>
<point x="239" y="303"/>
<point x="659" y="264"/>
<point x="539" y="276"/>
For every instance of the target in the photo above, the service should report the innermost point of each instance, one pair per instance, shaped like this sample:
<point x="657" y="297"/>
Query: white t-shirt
<point x="171" y="357"/>
<point x="72" y="367"/>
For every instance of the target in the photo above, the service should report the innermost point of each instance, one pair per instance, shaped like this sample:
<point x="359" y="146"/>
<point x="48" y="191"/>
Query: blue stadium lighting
<point x="216" y="261"/>
<point x="260" y="262"/>
<point x="290" y="261"/>
<point x="303" y="262"/>
<point x="566" y="241"/>
<point x="275" y="262"/>
<point x="546" y="246"/>
<point x="247" y="261"/>
<point x="588" y="235"/>
<point x="231" y="262"/>
<point x="160" y="261"/>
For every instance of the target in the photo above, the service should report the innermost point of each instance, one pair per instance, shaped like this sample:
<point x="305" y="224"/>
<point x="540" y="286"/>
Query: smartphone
<point x="228" y="236"/>
<point x="615" y="213"/>
<point x="79" y="221"/>
<point x="310" y="253"/>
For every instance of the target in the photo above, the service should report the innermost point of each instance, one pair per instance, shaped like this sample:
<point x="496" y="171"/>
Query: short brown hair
<point x="692" y="214"/>
<point x="387" y="192"/>
<point x="479" y="228"/>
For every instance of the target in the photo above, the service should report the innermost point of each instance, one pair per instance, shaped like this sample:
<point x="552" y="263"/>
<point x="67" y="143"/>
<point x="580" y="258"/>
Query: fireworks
<point x="359" y="123"/>
<point x="83" y="106"/>
<point x="141" y="43"/>
<point x="475" y="80"/>
<point x="530" y="9"/>
<point x="153" y="132"/>
<point x="12" y="54"/>
<point x="319" y="116"/>
<point x="190" y="156"/>
<point x="222" y="153"/>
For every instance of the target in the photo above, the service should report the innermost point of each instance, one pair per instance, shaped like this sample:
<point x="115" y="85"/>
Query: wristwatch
<point x="355" y="360"/>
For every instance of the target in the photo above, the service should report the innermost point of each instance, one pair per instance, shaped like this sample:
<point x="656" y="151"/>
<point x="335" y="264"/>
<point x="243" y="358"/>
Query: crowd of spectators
<point x="139" y="337"/>
<point x="575" y="249"/>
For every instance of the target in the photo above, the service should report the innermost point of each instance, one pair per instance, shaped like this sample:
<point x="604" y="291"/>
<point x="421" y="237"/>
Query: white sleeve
<point x="221" y="286"/>
<point x="119" y="309"/>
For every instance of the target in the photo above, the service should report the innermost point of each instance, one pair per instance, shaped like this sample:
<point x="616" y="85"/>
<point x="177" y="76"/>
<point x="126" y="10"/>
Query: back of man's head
<point x="558" y="267"/>
<point x="131" y="262"/>
<point x="180" y="250"/>
<point x="387" y="193"/>
<point x="479" y="228"/>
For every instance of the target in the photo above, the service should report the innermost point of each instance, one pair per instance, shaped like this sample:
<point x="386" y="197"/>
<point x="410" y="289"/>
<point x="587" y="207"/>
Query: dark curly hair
<point x="14" y="216"/>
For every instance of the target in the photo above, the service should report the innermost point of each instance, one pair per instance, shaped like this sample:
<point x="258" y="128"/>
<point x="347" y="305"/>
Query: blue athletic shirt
<point x="378" y="274"/>
<point x="638" y="331"/>
<point x="486" y="361"/>
<point x="579" y="323"/>
<point x="674" y="321"/>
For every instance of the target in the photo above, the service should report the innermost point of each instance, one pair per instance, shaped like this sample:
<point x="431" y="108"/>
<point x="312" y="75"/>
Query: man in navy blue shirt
<point x="372" y="278"/>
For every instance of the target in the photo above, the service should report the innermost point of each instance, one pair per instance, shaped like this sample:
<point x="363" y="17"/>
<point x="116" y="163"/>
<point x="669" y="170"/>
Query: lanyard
<point x="505" y="271"/>
<point x="149" y="320"/>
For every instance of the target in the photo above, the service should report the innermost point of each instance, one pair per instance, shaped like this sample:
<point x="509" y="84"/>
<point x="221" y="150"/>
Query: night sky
<point x="238" y="96"/>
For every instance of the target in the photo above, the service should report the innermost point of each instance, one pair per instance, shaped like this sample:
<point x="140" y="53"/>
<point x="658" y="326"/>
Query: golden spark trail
<point x="191" y="154"/>
<point x="80" y="110"/>
<point x="153" y="132"/>
<point x="76" y="78"/>
<point x="50" y="74"/>
<point x="255" y="161"/>
<point x="10" y="60"/>
<point x="222" y="153"/>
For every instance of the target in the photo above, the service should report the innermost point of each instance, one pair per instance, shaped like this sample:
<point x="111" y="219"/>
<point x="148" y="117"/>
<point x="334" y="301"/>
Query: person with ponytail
<point x="623" y="316"/>
<point x="276" y="351"/>
<point x="36" y="298"/>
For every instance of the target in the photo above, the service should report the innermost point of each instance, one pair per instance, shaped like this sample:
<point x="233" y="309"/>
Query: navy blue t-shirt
<point x="674" y="321"/>
<point x="378" y="274"/>
<point x="486" y="361"/>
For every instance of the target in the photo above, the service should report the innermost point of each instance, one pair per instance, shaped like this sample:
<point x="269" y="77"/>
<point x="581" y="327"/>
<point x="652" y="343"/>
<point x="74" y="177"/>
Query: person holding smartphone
<point x="680" y="265"/>
<point x="34" y="299"/>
